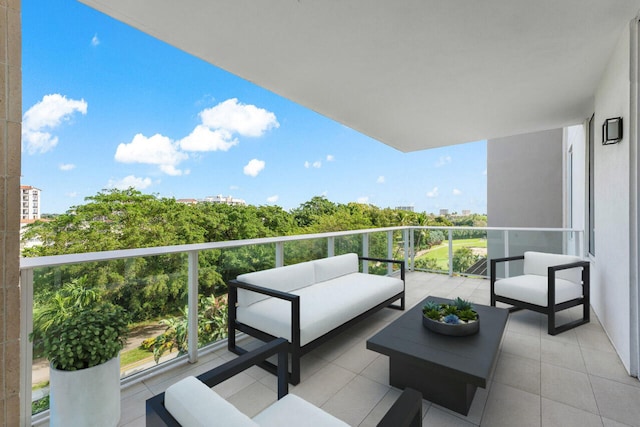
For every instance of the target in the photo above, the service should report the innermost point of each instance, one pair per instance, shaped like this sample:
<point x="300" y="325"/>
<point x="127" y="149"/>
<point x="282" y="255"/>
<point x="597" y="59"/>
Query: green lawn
<point x="441" y="252"/>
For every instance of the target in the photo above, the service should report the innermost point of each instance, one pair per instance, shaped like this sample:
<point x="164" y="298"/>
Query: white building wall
<point x="610" y="285"/>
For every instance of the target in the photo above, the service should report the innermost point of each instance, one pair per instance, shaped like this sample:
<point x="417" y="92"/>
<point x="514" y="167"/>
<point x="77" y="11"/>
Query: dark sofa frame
<point x="552" y="308"/>
<point x="295" y="349"/>
<point x="405" y="412"/>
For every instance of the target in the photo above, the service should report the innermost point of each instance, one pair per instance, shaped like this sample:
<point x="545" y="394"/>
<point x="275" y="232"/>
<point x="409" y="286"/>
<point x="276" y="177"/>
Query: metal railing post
<point x="365" y="252"/>
<point x="331" y="246"/>
<point x="450" y="253"/>
<point x="279" y="254"/>
<point x="192" y="307"/>
<point x="409" y="249"/>
<point x="505" y="236"/>
<point x="26" y="348"/>
<point x="389" y="251"/>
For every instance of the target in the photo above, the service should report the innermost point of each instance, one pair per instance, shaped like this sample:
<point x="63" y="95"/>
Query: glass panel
<point x="469" y="252"/>
<point x="431" y="250"/>
<point x="305" y="250"/>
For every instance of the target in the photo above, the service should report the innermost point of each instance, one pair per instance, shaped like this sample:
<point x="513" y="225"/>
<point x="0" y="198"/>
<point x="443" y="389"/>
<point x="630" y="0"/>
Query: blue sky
<point x="106" y="106"/>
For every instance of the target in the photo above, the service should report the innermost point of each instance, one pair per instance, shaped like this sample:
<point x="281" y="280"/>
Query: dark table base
<point x="435" y="387"/>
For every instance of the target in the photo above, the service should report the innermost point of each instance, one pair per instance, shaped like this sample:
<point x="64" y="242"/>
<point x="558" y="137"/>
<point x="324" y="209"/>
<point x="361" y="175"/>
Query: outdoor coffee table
<point x="447" y="370"/>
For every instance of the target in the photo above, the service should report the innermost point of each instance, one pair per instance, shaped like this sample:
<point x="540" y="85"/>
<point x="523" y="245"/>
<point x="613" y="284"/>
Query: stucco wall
<point x="610" y="267"/>
<point x="10" y="118"/>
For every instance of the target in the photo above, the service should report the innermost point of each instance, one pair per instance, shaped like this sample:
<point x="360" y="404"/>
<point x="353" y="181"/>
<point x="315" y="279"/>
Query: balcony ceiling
<point x="413" y="74"/>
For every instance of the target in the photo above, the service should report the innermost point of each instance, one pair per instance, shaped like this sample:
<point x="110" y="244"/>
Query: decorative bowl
<point x="457" y="330"/>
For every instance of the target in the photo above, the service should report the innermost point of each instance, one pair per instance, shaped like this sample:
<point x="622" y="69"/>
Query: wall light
<point x="612" y="131"/>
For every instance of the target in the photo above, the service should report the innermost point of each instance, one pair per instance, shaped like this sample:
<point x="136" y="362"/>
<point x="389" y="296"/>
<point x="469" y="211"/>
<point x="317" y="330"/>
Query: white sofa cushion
<point x="286" y="279"/>
<point x="193" y="404"/>
<point x="323" y="306"/>
<point x="539" y="262"/>
<point x="291" y="410"/>
<point x="532" y="288"/>
<point x="335" y="266"/>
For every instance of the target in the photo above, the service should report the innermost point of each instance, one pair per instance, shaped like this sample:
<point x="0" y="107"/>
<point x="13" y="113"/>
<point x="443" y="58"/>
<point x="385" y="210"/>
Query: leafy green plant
<point x="459" y="311"/>
<point x="87" y="338"/>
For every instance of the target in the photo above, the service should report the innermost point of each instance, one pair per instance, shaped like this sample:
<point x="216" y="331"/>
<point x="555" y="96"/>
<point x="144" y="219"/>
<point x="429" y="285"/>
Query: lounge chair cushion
<point x="538" y="263"/>
<point x="284" y="279"/>
<point x="291" y="410"/>
<point x="532" y="288"/>
<point x="193" y="404"/>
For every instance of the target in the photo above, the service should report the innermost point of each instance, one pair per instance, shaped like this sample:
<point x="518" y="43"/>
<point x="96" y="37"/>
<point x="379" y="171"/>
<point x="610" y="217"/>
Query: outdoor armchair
<point x="550" y="283"/>
<point x="191" y="402"/>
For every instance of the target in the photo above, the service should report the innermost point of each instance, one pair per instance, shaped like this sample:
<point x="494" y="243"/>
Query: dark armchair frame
<point x="552" y="308"/>
<point x="295" y="349"/>
<point x="405" y="412"/>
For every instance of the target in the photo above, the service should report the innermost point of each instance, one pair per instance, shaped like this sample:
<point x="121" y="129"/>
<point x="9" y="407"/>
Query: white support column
<point x="193" y="307"/>
<point x="331" y="246"/>
<point x="279" y="254"/>
<point x="26" y="348"/>
<point x="450" y="253"/>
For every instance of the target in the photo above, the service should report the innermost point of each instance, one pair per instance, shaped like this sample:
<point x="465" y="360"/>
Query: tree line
<point x="156" y="286"/>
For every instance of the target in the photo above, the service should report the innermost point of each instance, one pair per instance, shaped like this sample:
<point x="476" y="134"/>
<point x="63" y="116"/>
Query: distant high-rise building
<point x="226" y="200"/>
<point x="466" y="212"/>
<point x="30" y="203"/>
<point x="444" y="212"/>
<point x="405" y="208"/>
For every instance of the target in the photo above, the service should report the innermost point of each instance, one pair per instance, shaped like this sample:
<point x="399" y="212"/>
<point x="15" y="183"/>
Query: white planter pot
<point x="88" y="397"/>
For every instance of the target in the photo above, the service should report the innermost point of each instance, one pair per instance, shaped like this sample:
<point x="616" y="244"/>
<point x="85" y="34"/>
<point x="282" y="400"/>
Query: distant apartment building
<point x="30" y="203"/>
<point x="405" y="208"/>
<point x="227" y="200"/>
<point x="466" y="212"/>
<point x="444" y="212"/>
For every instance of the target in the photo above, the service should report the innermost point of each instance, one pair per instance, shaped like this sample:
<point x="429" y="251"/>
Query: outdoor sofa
<point x="191" y="402"/>
<point x="309" y="302"/>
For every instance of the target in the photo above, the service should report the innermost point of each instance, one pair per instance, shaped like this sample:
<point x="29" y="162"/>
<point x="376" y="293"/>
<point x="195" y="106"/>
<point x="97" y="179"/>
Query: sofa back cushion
<point x="538" y="262"/>
<point x="192" y="403"/>
<point x="335" y="266"/>
<point x="285" y="279"/>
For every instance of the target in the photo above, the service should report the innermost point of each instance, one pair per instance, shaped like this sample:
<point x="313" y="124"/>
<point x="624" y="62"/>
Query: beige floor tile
<point x="134" y="406"/>
<point x="319" y="388"/>
<point x="607" y="365"/>
<point x="138" y="422"/>
<point x="373" y="418"/>
<point x="253" y="399"/>
<point x="555" y="414"/>
<point x="610" y="423"/>
<point x="356" y="400"/>
<point x="519" y="372"/>
<point x="436" y="417"/>
<point x="525" y="322"/>
<point x="378" y="370"/>
<point x="593" y="337"/>
<point x="562" y="354"/>
<point x="509" y="407"/>
<point x="357" y="358"/>
<point x="618" y="402"/>
<point x="522" y="345"/>
<point x="569" y="387"/>
<point x="233" y="385"/>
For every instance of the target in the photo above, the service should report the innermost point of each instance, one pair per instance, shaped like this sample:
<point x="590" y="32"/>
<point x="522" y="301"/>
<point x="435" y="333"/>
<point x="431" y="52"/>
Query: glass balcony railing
<point x="178" y="293"/>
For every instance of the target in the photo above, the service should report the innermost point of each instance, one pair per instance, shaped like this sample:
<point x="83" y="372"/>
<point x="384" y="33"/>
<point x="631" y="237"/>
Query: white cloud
<point x="433" y="193"/>
<point x="67" y="166"/>
<point x="272" y="199"/>
<point x="380" y="179"/>
<point x="204" y="139"/>
<point x="130" y="181"/>
<point x="363" y="199"/>
<point x="456" y="192"/>
<point x="72" y="194"/>
<point x="48" y="114"/>
<point x="317" y="164"/>
<point x="330" y="158"/>
<point x="232" y="116"/>
<point x="443" y="160"/>
<point x="307" y="165"/>
<point x="95" y="41"/>
<point x="234" y="187"/>
<point x="254" y="167"/>
<point x="156" y="150"/>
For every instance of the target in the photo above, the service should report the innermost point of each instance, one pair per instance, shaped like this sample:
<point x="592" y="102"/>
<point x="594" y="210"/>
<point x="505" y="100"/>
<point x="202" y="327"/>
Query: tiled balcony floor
<point x="573" y="379"/>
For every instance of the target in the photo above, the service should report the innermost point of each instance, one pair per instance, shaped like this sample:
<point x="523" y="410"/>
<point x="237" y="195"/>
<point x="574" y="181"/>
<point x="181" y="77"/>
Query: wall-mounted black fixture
<point x="612" y="131"/>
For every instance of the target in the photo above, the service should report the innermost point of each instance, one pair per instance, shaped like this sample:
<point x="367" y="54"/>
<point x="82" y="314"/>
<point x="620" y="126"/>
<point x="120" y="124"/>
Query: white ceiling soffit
<point x="413" y="74"/>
